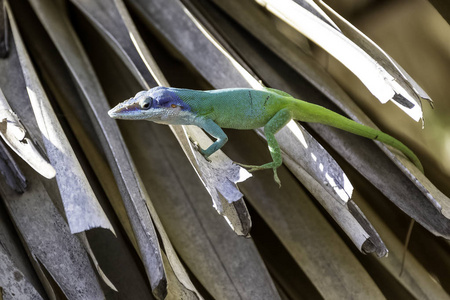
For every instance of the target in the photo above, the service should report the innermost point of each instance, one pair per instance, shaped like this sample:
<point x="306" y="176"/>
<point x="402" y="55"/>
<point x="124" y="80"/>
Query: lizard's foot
<point x="253" y="168"/>
<point x="250" y="168"/>
<point x="198" y="149"/>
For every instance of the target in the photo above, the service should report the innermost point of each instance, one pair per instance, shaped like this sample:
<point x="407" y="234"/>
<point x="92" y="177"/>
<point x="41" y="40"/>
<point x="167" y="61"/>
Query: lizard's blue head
<point x="159" y="104"/>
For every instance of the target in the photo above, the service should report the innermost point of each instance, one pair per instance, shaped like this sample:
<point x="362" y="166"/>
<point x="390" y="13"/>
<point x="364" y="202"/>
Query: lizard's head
<point x="159" y="104"/>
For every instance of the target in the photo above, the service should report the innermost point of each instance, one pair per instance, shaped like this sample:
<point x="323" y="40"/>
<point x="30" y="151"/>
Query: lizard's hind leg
<point x="278" y="121"/>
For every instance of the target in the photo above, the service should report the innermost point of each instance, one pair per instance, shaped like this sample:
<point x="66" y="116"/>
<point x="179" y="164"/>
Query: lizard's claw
<point x="198" y="149"/>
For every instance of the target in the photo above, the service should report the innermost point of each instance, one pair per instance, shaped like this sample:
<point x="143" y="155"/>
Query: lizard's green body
<point x="241" y="109"/>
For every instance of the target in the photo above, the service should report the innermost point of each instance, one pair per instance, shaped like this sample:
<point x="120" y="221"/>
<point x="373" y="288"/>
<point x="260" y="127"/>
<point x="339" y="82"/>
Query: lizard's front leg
<point x="214" y="130"/>
<point x="278" y="121"/>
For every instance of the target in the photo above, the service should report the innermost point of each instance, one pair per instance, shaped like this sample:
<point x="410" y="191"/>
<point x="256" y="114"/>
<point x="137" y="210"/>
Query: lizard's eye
<point x="147" y="103"/>
<point x="173" y="105"/>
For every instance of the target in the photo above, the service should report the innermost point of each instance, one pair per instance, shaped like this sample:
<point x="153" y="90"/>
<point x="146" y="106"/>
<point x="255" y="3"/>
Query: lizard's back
<point x="234" y="108"/>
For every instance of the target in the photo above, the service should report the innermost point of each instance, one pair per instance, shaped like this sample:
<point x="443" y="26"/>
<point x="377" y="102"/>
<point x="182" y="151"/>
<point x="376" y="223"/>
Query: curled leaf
<point x="14" y="134"/>
<point x="357" y="52"/>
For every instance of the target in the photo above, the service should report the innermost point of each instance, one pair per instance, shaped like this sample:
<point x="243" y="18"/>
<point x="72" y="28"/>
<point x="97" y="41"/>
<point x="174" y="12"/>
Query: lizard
<point x="241" y="108"/>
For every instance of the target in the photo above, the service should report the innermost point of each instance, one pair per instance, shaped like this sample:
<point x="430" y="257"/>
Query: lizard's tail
<point x="308" y="112"/>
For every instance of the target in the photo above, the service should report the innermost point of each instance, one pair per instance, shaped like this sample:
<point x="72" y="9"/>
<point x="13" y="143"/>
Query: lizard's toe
<point x="249" y="168"/>
<point x="275" y="177"/>
<point x="198" y="149"/>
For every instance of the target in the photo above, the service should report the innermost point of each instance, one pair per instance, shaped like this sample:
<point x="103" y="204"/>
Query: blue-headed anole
<point x="240" y="108"/>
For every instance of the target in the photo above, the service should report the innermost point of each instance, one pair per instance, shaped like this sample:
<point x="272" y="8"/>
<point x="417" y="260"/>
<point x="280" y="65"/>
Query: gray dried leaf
<point x="234" y="212"/>
<point x="176" y="290"/>
<point x="17" y="275"/>
<point x="82" y="209"/>
<point x="308" y="5"/>
<point x="181" y="279"/>
<point x="299" y="144"/>
<point x="114" y="23"/>
<point x="411" y="89"/>
<point x="23" y="146"/>
<point x="348" y="216"/>
<point x="13" y="283"/>
<point x="14" y="134"/>
<point x="221" y="174"/>
<point x="49" y="241"/>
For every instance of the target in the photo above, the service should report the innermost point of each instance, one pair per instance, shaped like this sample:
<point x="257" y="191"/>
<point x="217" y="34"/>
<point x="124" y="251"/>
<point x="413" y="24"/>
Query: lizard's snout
<point x="124" y="110"/>
<point x="114" y="112"/>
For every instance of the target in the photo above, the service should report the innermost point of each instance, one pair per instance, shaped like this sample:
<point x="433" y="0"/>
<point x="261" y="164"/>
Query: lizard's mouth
<point x="124" y="111"/>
